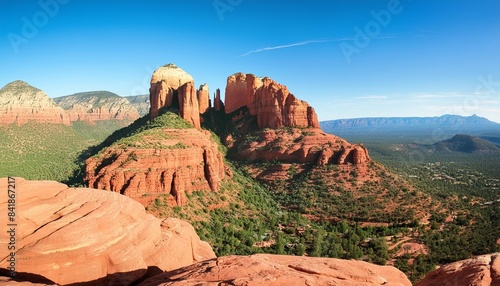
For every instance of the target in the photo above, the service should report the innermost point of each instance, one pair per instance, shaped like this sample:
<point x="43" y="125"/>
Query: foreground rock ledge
<point x="67" y="235"/>
<point x="267" y="269"/>
<point x="483" y="270"/>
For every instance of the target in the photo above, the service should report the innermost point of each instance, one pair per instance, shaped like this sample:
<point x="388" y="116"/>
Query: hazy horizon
<point x="348" y="59"/>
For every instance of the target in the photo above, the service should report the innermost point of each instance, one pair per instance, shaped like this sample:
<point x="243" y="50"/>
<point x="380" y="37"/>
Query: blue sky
<point x="346" y="58"/>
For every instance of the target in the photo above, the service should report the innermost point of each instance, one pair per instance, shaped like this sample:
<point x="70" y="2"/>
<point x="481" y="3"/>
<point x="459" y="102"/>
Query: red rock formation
<point x="272" y="103"/>
<point x="217" y="101"/>
<point x="164" y="81"/>
<point x="267" y="269"/>
<point x="236" y="88"/>
<point x="188" y="104"/>
<point x="70" y="235"/>
<point x="481" y="270"/>
<point x="21" y="103"/>
<point x="173" y="161"/>
<point x="203" y="98"/>
<point x="355" y="154"/>
<point x="311" y="146"/>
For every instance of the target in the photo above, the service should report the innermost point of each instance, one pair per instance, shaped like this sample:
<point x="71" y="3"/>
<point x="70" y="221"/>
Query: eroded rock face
<point x="294" y="145"/>
<point x="164" y="82"/>
<point x="173" y="161"/>
<point x="267" y="269"/>
<point x="69" y="235"/>
<point x="188" y="104"/>
<point x="96" y="106"/>
<point x="356" y="154"/>
<point x="272" y="103"/>
<point x="21" y="103"/>
<point x="204" y="98"/>
<point x="217" y="101"/>
<point x="481" y="270"/>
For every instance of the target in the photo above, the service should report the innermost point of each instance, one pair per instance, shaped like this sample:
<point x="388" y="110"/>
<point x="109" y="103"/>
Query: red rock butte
<point x="271" y="102"/>
<point x="173" y="87"/>
<point x="187" y="161"/>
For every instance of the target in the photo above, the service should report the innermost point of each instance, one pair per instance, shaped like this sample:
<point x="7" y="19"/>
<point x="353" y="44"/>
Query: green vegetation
<point x="136" y="133"/>
<point x="38" y="151"/>
<point x="466" y="185"/>
<point x="252" y="221"/>
<point x="331" y="211"/>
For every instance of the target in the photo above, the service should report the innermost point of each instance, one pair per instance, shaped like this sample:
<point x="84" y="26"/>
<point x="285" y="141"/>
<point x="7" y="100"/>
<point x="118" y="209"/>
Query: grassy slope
<point x="48" y="151"/>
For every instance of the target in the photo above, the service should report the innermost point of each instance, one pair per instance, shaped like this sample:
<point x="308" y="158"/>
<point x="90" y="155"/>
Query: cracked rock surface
<point x="483" y="270"/>
<point x="74" y="235"/>
<point x="267" y="269"/>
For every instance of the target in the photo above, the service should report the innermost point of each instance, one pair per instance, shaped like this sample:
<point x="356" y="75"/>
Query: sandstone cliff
<point x="188" y="104"/>
<point x="311" y="146"/>
<point x="272" y="103"/>
<point x="218" y="104"/>
<point x="97" y="105"/>
<point x="295" y="145"/>
<point x="159" y="161"/>
<point x="481" y="270"/>
<point x="69" y="235"/>
<point x="267" y="269"/>
<point x="21" y="103"/>
<point x="204" y="98"/>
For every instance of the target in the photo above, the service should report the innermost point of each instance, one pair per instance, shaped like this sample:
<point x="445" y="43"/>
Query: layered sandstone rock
<point x="294" y="145"/>
<point x="272" y="103"/>
<point x="21" y="103"/>
<point x="356" y="154"/>
<point x="165" y="81"/>
<point x="267" y="269"/>
<point x="481" y="270"/>
<point x="97" y="106"/>
<point x="173" y="87"/>
<point x="168" y="161"/>
<point x="203" y="98"/>
<point x="67" y="235"/>
<point x="188" y="104"/>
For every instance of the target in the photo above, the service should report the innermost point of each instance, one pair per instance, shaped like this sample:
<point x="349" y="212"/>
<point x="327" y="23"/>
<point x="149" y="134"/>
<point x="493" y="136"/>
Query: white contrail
<point x="285" y="46"/>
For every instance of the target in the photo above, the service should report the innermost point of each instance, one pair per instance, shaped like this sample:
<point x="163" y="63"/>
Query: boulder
<point x="78" y="235"/>
<point x="483" y="270"/>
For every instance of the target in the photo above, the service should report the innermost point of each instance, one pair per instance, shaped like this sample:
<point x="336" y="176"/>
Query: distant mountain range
<point x="447" y="124"/>
<point x="97" y="105"/>
<point x="21" y="103"/>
